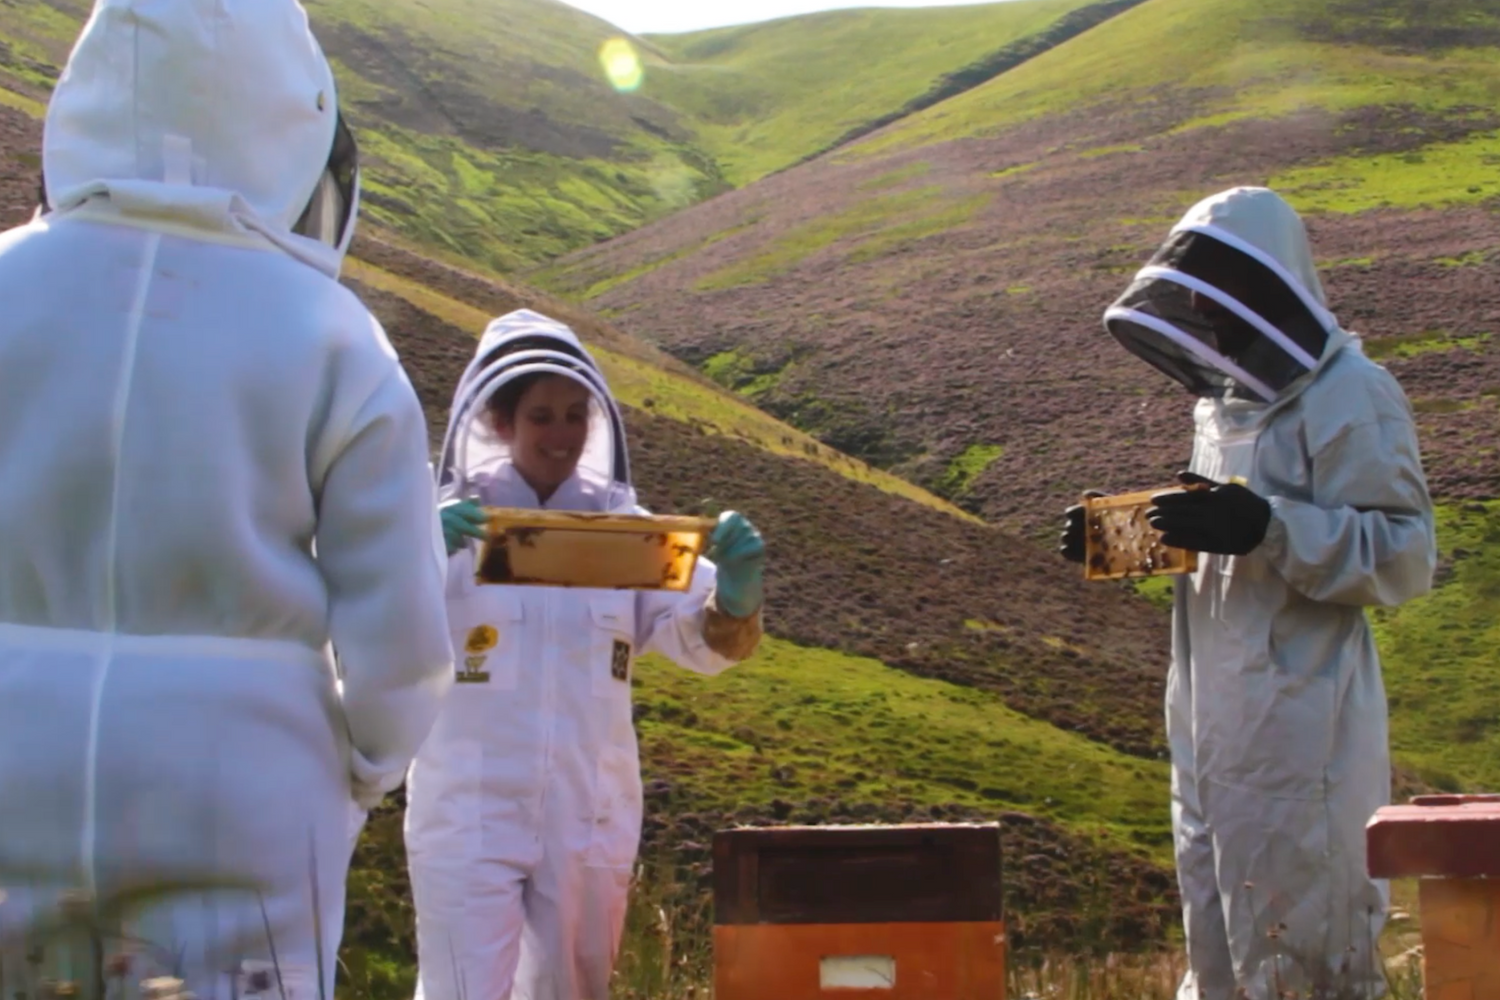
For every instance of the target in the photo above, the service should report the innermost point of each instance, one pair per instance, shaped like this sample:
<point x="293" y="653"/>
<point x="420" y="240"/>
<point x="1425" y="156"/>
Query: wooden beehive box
<point x="887" y="912"/>
<point x="1451" y="843"/>
<point x="1120" y="543"/>
<point x="544" y="548"/>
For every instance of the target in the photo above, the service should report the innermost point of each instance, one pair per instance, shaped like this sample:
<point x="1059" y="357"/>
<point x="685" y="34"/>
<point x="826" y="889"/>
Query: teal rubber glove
<point x="739" y="553"/>
<point x="461" y="518"/>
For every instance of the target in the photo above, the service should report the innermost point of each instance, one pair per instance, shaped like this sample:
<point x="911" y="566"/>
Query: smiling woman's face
<point x="546" y="431"/>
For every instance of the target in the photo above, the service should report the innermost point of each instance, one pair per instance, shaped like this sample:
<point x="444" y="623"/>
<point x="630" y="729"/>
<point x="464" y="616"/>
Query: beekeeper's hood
<point x="205" y="114"/>
<point x="1244" y="255"/>
<point x="522" y="343"/>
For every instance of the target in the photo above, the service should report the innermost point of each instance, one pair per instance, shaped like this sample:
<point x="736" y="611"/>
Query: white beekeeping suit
<point x="1276" y="712"/>
<point x="213" y="478"/>
<point x="524" y="807"/>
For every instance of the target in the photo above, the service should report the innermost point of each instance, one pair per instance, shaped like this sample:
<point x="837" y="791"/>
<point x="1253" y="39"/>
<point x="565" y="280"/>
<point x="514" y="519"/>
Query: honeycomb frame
<point x="1119" y="544"/>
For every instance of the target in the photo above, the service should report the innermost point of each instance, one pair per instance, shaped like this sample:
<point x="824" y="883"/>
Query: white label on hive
<point x="857" y="972"/>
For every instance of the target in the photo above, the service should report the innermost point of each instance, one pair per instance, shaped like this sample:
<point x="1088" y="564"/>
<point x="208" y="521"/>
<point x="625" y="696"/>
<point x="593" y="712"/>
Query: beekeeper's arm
<point x="380" y="549"/>
<point x="717" y="622"/>
<point x="1368" y="538"/>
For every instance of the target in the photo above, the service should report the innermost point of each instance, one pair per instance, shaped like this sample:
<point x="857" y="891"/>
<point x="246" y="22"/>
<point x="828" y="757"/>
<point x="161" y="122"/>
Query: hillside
<point x="923" y="298"/>
<point x="493" y="133"/>
<point x="488" y="127"/>
<point x="1001" y="222"/>
<point x="929" y="298"/>
<point x="767" y="95"/>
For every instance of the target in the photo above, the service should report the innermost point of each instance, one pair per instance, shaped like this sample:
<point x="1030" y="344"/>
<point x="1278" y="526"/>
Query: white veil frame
<point x="605" y="462"/>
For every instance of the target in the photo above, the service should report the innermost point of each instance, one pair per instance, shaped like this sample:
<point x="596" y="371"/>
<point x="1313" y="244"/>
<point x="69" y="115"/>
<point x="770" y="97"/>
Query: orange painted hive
<point x="878" y="912"/>
<point x="1452" y="844"/>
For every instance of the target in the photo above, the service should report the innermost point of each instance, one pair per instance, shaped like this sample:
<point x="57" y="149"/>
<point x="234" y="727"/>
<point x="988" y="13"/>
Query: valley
<point x="846" y="272"/>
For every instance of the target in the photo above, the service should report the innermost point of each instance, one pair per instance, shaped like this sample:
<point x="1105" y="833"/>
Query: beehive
<point x="884" y="912"/>
<point x="1120" y="543"/>
<point x="573" y="549"/>
<point x="1452" y="844"/>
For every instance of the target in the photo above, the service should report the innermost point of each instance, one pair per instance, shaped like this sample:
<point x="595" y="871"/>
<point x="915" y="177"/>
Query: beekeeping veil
<point x="1260" y="323"/>
<point x="516" y="345"/>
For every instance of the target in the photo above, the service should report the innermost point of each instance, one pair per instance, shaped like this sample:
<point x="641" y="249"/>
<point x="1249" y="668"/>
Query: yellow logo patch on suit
<point x="619" y="662"/>
<point x="482" y="638"/>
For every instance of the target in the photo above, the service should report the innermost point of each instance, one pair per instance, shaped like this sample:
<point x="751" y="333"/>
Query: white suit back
<point x="213" y="476"/>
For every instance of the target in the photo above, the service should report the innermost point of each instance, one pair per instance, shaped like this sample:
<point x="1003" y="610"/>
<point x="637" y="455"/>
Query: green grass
<point x="512" y="209"/>
<point x="1156" y="589"/>
<point x="1437" y="176"/>
<point x="967" y="466"/>
<point x="1471" y="259"/>
<point x="766" y="95"/>
<point x="737" y="371"/>
<point x="1262" y="54"/>
<point x="22" y="103"/>
<point x="795" y="723"/>
<point x="1410" y="345"/>
<point x="1103" y="151"/>
<point x="881" y="222"/>
<point x="893" y="178"/>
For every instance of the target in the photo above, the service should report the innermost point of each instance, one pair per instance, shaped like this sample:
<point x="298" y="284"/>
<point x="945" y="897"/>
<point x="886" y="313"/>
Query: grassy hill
<point x="929" y="297"/>
<point x="494" y="132"/>
<point x="766" y="95"/>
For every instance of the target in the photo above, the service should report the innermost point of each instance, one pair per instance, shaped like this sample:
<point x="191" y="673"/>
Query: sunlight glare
<point x="622" y="66"/>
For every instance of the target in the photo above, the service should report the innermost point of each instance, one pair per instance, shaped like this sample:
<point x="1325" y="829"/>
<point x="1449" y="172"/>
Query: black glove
<point x="1072" y="544"/>
<point x="1226" y="519"/>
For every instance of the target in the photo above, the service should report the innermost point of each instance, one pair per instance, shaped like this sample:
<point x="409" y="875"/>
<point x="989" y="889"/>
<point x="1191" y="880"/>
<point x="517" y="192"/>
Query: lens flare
<point x="622" y="65"/>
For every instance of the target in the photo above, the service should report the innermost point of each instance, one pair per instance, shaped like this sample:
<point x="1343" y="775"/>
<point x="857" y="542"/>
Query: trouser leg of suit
<point x="1210" y="972"/>
<point x="124" y="768"/>
<point x="575" y="915"/>
<point x="469" y="919"/>
<point x="1303" y="913"/>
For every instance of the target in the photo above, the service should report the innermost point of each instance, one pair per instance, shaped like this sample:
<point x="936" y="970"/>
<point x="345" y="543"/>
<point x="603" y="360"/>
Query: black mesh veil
<point x="1219" y="317"/>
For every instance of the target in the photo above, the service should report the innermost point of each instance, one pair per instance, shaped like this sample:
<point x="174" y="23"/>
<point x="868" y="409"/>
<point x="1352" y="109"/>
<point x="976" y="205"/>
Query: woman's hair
<point x="501" y="406"/>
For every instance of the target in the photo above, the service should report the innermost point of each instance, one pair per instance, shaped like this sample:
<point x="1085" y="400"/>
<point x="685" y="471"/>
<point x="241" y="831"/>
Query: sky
<point x="644" y="16"/>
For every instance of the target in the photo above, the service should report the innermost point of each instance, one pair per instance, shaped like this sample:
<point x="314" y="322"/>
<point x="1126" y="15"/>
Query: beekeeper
<point x="214" y="476"/>
<point x="524" y="807"/>
<point x="1318" y="508"/>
